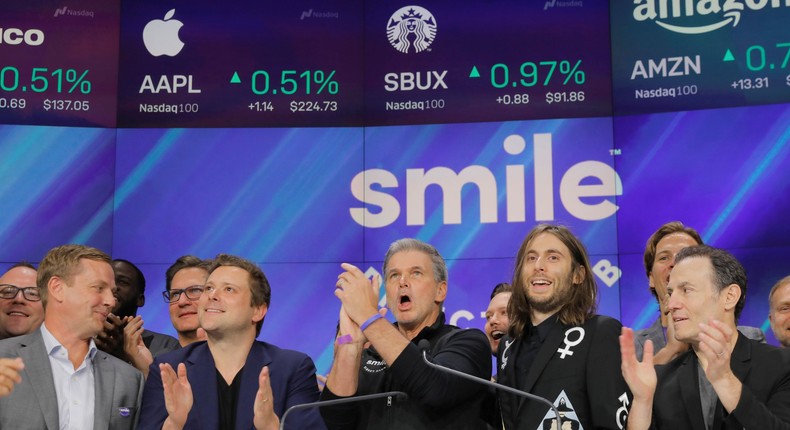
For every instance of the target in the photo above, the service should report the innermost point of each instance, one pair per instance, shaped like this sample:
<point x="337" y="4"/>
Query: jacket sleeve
<point x="466" y="350"/>
<point x="152" y="410"/>
<point x="774" y="380"/>
<point x="303" y="388"/>
<point x="608" y="393"/>
<point x="338" y="417"/>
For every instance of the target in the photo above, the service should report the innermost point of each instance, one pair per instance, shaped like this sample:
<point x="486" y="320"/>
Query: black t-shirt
<point x="228" y="400"/>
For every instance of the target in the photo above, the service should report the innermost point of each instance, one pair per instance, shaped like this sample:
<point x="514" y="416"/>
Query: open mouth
<point x="540" y="284"/>
<point x="497" y="334"/>
<point x="404" y="302"/>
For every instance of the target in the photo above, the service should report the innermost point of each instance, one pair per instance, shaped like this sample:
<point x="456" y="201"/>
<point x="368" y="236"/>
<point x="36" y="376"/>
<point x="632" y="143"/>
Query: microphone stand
<point x="495" y="386"/>
<point x="399" y="395"/>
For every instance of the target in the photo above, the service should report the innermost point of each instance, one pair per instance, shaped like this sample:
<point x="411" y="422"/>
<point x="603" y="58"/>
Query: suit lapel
<point x="104" y="383"/>
<point x="507" y="376"/>
<point x="741" y="356"/>
<point x="545" y="353"/>
<point x="39" y="372"/>
<point x="202" y="374"/>
<point x="740" y="361"/>
<point x="256" y="359"/>
<point x="686" y="377"/>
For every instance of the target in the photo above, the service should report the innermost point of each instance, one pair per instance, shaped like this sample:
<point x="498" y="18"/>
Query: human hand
<point x="640" y="376"/>
<point x="358" y="294"/>
<point x="714" y="343"/>
<point x="134" y="347"/>
<point x="110" y="339"/>
<point x="264" y="417"/>
<point x="9" y="374"/>
<point x="178" y="395"/>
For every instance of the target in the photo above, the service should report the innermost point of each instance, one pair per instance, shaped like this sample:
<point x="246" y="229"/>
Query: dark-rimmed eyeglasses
<point x="8" y="291"/>
<point x="193" y="293"/>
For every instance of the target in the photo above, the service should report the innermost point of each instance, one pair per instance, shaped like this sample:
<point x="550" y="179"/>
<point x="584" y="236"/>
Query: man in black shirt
<point x="416" y="286"/>
<point x="238" y="382"/>
<point x="124" y="335"/>
<point x="557" y="347"/>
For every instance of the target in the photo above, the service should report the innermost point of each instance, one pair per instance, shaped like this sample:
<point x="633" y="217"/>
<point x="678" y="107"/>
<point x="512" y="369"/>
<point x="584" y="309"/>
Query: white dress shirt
<point x="75" y="388"/>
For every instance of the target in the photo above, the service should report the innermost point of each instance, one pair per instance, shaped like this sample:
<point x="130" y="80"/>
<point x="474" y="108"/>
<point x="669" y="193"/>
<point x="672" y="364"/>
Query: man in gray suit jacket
<point x="66" y="381"/>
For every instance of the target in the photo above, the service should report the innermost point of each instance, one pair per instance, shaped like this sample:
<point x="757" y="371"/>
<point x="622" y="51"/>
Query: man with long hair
<point x="557" y="347"/>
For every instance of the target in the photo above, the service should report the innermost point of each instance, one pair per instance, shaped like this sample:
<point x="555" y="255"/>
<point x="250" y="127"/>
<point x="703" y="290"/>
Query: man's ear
<point x="732" y="294"/>
<point x="259" y="313"/>
<point x="55" y="288"/>
<point x="441" y="292"/>
<point x="579" y="275"/>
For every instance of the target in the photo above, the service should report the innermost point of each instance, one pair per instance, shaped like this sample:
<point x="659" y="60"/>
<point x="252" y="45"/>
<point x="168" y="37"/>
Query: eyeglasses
<point x="193" y="293"/>
<point x="8" y="291"/>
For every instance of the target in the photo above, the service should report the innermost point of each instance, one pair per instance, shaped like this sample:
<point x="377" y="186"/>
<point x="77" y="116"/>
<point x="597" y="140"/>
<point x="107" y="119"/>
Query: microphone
<point x="425" y="346"/>
<point x="398" y="395"/>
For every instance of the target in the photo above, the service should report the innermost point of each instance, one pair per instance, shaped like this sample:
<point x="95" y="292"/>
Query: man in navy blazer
<point x="725" y="380"/>
<point x="238" y="382"/>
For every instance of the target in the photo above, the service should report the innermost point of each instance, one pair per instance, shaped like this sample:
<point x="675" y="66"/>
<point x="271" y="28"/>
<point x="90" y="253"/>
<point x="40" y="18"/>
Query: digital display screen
<point x="54" y="70"/>
<point x="443" y="62"/>
<point x="245" y="63"/>
<point x="683" y="55"/>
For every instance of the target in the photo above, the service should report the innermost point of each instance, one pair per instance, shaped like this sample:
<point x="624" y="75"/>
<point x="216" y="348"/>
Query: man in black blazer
<point x="659" y="259"/>
<point x="557" y="347"/>
<point x="725" y="381"/>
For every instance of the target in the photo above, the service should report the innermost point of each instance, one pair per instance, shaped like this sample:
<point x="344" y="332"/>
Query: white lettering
<point x="362" y="190"/>
<point x="15" y="36"/>
<point x="575" y="185"/>
<point x="607" y="272"/>
<point x="608" y="185"/>
<point x="165" y="84"/>
<point x="417" y="180"/>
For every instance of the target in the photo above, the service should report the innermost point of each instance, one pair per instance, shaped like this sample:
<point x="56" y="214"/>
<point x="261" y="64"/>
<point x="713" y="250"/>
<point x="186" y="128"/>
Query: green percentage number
<point x="530" y="73"/>
<point x="756" y="58"/>
<point x="290" y="82"/>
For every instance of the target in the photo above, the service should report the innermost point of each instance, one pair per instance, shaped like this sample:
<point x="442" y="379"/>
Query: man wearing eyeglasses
<point x="183" y="285"/>
<point x="21" y="311"/>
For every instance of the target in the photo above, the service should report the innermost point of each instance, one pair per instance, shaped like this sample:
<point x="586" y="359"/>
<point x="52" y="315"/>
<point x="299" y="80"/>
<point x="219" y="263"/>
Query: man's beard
<point x="560" y="296"/>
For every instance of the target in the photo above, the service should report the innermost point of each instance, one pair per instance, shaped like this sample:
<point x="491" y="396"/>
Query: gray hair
<point x="409" y="244"/>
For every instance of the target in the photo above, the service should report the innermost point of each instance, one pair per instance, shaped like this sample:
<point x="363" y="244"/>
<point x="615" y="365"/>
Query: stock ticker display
<point x="59" y="64"/>
<point x="249" y="63"/>
<point x="240" y="64"/>
<point x="682" y="55"/>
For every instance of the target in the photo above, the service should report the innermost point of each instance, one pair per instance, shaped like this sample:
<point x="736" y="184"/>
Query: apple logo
<point x="161" y="36"/>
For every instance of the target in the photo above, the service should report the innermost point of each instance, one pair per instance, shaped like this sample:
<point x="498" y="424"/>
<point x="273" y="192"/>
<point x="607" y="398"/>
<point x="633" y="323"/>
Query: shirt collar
<point x="428" y="331"/>
<point x="543" y="328"/>
<point x="52" y="345"/>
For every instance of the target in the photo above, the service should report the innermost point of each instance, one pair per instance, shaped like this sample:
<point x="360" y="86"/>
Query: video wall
<point x="305" y="134"/>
